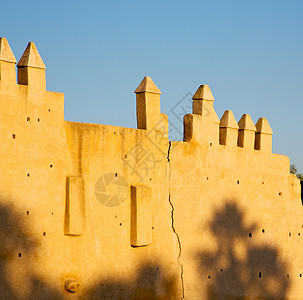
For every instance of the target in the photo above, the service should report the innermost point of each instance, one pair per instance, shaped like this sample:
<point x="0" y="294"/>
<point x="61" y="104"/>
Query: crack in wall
<point x="179" y="243"/>
<point x="168" y="153"/>
<point x="173" y="224"/>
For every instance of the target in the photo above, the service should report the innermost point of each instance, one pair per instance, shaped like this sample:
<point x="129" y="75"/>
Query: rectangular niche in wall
<point x="141" y="216"/>
<point x="74" y="209"/>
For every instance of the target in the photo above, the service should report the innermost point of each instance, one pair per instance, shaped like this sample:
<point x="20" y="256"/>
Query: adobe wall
<point x="103" y="212"/>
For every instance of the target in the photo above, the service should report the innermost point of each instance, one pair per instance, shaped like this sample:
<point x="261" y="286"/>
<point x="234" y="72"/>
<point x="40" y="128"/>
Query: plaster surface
<point x="91" y="211"/>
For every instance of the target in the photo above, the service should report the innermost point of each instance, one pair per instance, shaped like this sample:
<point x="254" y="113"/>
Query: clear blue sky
<point x="97" y="52"/>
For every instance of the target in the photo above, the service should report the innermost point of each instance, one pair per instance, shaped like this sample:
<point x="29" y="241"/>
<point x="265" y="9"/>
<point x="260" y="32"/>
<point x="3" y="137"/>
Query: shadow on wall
<point x="150" y="283"/>
<point x="239" y="267"/>
<point x="17" y="279"/>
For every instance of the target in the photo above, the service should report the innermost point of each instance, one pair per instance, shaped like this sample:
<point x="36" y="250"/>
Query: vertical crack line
<point x="173" y="221"/>
<point x="167" y="170"/>
<point x="169" y="165"/>
<point x="179" y="243"/>
<point x="168" y="151"/>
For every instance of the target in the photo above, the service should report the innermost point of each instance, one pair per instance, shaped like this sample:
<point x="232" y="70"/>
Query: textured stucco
<point x="217" y="216"/>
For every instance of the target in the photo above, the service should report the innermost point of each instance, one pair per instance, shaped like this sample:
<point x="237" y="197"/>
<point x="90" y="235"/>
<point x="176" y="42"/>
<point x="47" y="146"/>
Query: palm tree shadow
<point x="17" y="277"/>
<point x="149" y="283"/>
<point x="19" y="280"/>
<point x="237" y="268"/>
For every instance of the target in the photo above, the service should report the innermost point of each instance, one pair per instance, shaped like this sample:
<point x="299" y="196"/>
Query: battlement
<point x="96" y="211"/>
<point x="202" y="126"/>
<point x="31" y="69"/>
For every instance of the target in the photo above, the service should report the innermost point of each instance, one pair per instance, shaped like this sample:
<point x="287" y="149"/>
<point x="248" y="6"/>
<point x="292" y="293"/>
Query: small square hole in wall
<point x="250" y="235"/>
<point x="260" y="274"/>
<point x="44" y="233"/>
<point x="299" y="234"/>
<point x="38" y="120"/>
<point x="238" y="182"/>
<point x="287" y="275"/>
<point x="28" y="119"/>
<point x="14" y="136"/>
<point x="300" y="275"/>
<point x="280" y="194"/>
<point x="19" y="254"/>
<point x="210" y="144"/>
<point x="289" y="234"/>
<point x="27" y="212"/>
<point x="263" y="230"/>
<point x="208" y="277"/>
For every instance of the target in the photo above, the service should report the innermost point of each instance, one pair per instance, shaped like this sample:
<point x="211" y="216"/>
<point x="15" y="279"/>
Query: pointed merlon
<point x="147" y="86"/>
<point x="246" y="123"/>
<point x="263" y="126"/>
<point x="6" y="53"/>
<point x="203" y="93"/>
<point x="228" y="120"/>
<point x="31" y="58"/>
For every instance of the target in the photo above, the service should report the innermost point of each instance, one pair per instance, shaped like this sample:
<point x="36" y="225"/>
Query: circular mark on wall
<point x="111" y="189"/>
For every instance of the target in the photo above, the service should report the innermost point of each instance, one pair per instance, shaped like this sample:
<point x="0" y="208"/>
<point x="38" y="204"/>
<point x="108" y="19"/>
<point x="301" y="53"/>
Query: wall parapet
<point x="132" y="214"/>
<point x="204" y="126"/>
<point x="31" y="69"/>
